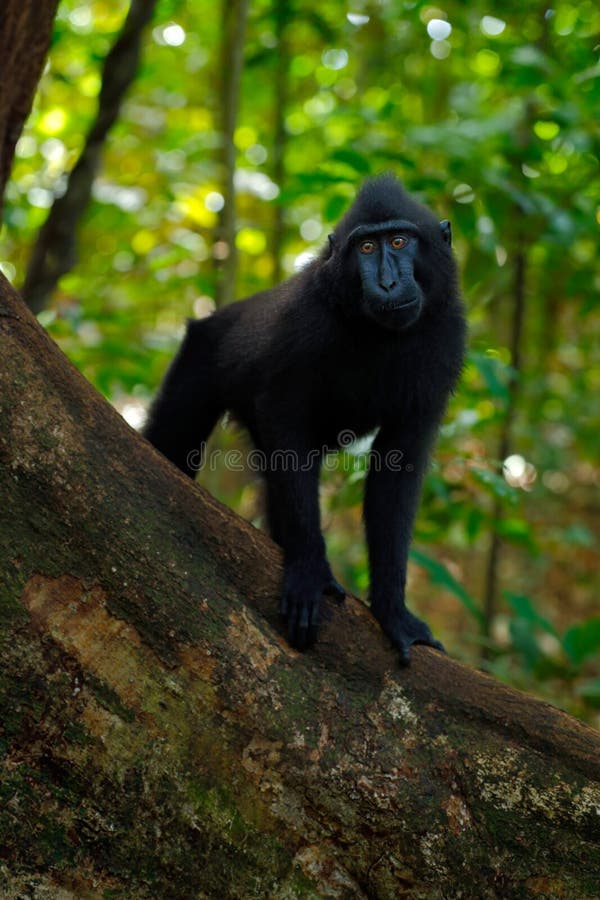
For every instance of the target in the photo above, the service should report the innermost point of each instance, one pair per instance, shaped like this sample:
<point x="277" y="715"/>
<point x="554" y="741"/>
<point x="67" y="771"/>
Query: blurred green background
<point x="489" y="112"/>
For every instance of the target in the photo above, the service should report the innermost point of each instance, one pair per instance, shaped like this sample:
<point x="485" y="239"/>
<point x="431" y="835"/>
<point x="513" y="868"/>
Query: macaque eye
<point x="398" y="242"/>
<point x="367" y="246"/>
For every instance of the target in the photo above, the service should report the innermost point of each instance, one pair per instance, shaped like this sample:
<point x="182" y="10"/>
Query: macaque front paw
<point x="304" y="583"/>
<point x="404" y="629"/>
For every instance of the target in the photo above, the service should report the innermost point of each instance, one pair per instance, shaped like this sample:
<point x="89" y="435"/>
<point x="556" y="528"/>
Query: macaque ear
<point x="446" y="230"/>
<point x="331" y="240"/>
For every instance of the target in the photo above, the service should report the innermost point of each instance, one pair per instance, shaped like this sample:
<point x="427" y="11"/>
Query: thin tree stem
<point x="490" y="594"/>
<point x="234" y="18"/>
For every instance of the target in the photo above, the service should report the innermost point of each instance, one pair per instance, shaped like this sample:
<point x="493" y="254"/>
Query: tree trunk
<point x="158" y="737"/>
<point x="25" y="28"/>
<point x="161" y="739"/>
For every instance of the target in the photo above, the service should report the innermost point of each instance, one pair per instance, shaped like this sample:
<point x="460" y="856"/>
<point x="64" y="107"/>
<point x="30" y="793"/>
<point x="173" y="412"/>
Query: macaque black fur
<point x="368" y="336"/>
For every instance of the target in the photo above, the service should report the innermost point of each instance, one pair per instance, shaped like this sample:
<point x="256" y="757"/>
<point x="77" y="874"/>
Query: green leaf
<point x="518" y="531"/>
<point x="354" y="160"/>
<point x="495" y="484"/>
<point x="473" y="524"/>
<point x="524" y="609"/>
<point x="494" y="373"/>
<point x="589" y="689"/>
<point x="334" y="207"/>
<point x="582" y="641"/>
<point x="524" y="641"/>
<point x="442" y="577"/>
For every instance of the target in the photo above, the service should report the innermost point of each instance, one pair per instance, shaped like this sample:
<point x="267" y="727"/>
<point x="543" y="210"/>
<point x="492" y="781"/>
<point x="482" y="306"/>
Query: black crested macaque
<point x="370" y="335"/>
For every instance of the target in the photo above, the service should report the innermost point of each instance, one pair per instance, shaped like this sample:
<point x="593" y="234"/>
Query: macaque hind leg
<point x="188" y="406"/>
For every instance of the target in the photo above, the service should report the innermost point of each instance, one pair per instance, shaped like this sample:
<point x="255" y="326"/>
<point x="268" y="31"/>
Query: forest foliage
<point x="489" y="113"/>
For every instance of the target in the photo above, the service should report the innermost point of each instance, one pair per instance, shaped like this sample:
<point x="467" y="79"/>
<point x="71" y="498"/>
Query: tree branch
<point x="54" y="252"/>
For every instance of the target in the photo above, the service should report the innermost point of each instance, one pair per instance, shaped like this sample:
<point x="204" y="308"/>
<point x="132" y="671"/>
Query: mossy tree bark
<point x="158" y="738"/>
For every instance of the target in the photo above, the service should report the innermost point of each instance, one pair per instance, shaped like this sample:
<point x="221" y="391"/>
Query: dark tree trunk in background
<point x="54" y="252"/>
<point x="159" y="738"/>
<point x="522" y="240"/>
<point x="25" y="30"/>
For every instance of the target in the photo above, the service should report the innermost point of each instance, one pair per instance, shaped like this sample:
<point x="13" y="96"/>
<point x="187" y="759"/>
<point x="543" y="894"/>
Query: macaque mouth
<point x="392" y="307"/>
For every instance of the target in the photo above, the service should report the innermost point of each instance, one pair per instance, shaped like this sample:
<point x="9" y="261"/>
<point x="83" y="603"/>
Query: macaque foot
<point x="404" y="629"/>
<point x="299" y="606"/>
<point x="334" y="589"/>
<point x="304" y="584"/>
